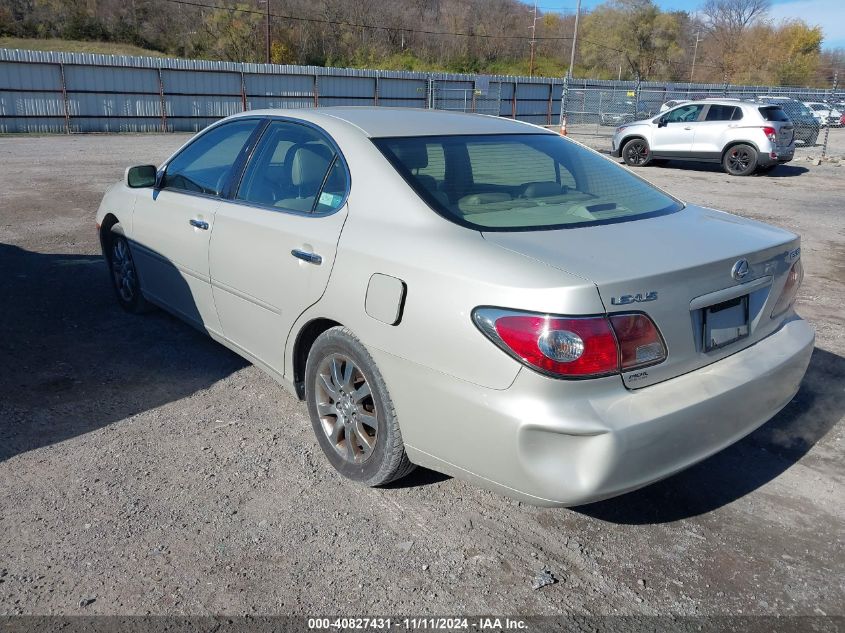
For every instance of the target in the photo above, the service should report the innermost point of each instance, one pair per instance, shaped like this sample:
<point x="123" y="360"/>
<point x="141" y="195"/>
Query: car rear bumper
<point x="777" y="155"/>
<point x="563" y="443"/>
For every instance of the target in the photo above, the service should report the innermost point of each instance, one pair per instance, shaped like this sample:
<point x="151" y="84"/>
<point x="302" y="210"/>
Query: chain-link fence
<point x="480" y="98"/>
<point x="594" y="109"/>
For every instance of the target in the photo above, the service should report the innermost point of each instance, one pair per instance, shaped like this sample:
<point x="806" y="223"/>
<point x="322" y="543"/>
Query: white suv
<point x="741" y="135"/>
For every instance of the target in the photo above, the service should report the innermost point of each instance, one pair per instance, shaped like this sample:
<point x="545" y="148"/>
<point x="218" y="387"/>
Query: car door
<point x="675" y="137"/>
<point x="274" y="242"/>
<point x="171" y="224"/>
<point x="710" y="132"/>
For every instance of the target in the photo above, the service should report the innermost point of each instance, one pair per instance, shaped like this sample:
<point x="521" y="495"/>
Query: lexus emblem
<point x="740" y="270"/>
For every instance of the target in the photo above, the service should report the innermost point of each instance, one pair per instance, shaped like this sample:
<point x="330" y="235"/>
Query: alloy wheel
<point x="636" y="153"/>
<point x="346" y="408"/>
<point x="123" y="270"/>
<point x="738" y="160"/>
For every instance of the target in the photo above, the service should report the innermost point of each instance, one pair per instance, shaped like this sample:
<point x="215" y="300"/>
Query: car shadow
<point x="73" y="361"/>
<point x="781" y="171"/>
<point x="745" y="466"/>
<point x="418" y="478"/>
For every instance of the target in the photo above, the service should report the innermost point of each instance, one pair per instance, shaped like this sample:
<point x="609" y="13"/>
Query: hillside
<point x="76" y="46"/>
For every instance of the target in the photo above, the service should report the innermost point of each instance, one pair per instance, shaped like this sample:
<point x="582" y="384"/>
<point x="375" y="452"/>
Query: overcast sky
<point x="827" y="14"/>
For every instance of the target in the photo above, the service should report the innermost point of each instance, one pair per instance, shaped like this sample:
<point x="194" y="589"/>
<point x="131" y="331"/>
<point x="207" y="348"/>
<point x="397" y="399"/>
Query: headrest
<point x="541" y="189"/>
<point x="412" y="156"/>
<point x="309" y="164"/>
<point x="483" y="198"/>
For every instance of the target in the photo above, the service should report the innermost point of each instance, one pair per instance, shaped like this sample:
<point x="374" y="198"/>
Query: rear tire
<point x="636" y="153"/>
<point x="124" y="275"/>
<point x="740" y="160"/>
<point x="351" y="411"/>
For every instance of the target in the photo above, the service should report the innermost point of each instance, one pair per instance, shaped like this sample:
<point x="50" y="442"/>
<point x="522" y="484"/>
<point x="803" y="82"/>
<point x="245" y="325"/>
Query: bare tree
<point x="734" y="16"/>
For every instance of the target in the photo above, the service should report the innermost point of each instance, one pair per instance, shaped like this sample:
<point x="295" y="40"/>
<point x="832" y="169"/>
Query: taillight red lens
<point x="770" y="132"/>
<point x="640" y="343"/>
<point x="577" y="347"/>
<point x="569" y="347"/>
<point x="790" y="289"/>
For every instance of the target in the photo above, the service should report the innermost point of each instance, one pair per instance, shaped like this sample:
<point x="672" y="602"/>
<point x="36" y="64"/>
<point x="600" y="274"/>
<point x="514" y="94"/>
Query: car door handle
<point x="200" y="224"/>
<point x="687" y="128"/>
<point x="311" y="258"/>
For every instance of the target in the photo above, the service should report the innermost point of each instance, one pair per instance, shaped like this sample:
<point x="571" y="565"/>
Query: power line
<point x="297" y="18"/>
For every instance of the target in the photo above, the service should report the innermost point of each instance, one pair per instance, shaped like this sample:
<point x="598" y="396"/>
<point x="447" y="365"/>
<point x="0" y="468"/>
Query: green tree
<point x="632" y="35"/>
<point x="233" y="36"/>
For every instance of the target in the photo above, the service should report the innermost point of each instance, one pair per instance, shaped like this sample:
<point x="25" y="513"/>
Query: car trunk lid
<point x="673" y="268"/>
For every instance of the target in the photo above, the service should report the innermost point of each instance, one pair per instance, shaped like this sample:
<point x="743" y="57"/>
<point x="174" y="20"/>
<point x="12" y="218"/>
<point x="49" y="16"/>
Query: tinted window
<point x="290" y="169"/>
<point x="721" y="113"/>
<point x="773" y="113"/>
<point x="684" y="114"/>
<point x="523" y="182"/>
<point x="205" y="164"/>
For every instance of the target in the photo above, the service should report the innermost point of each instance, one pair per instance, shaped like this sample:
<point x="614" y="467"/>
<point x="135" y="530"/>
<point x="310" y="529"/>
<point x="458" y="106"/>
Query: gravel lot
<point x="147" y="470"/>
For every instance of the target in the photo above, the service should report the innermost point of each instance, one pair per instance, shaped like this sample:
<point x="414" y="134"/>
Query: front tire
<point x="124" y="275"/>
<point x="636" y="153"/>
<point x="351" y="411"/>
<point x="740" y="160"/>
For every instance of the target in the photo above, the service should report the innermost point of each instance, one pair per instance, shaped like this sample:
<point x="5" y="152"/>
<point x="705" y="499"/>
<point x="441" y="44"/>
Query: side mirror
<point x="140" y="176"/>
<point x="662" y="121"/>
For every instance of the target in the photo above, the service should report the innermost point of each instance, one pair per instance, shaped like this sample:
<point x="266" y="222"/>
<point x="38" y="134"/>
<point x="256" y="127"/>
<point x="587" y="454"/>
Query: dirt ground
<point x="147" y="470"/>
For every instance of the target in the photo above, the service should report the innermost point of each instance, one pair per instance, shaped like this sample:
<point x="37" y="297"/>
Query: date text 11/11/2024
<point x="418" y="624"/>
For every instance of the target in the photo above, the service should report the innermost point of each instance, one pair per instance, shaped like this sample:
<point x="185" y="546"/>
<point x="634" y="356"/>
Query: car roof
<point x="727" y="101"/>
<point x="380" y="121"/>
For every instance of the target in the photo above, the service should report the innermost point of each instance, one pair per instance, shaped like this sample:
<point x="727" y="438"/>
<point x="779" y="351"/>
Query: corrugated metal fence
<point x="74" y="92"/>
<point x="78" y="92"/>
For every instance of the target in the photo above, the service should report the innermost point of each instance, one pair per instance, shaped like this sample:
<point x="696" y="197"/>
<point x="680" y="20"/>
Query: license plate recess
<point x="725" y="323"/>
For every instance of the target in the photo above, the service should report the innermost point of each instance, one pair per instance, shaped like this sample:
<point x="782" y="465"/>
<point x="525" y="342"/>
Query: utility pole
<point x="574" y="39"/>
<point x="267" y="31"/>
<point x="564" y="95"/>
<point x="695" y="53"/>
<point x="533" y="42"/>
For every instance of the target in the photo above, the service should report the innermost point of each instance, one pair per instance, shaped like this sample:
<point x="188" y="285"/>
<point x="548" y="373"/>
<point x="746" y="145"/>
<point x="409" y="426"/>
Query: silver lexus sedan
<point x="472" y="294"/>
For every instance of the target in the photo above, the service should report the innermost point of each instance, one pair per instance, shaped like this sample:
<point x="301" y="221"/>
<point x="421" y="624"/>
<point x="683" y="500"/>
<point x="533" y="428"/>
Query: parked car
<point x="672" y="103"/>
<point x="617" y="112"/>
<point x="806" y="125"/>
<point x="472" y="294"/>
<point x="741" y="135"/>
<point x="824" y="113"/>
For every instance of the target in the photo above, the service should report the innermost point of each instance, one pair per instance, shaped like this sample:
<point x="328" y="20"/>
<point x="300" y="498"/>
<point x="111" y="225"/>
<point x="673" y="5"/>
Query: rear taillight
<point x="640" y="343"/>
<point x="790" y="289"/>
<point x="574" y="347"/>
<point x="771" y="133"/>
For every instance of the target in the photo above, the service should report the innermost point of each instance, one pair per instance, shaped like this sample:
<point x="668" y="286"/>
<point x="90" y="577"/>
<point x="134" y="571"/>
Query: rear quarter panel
<point x="448" y="270"/>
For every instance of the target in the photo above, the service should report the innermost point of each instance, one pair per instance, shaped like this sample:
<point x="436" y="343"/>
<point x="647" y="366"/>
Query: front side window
<point x="684" y="114"/>
<point x="507" y="182"/>
<point x="294" y="168"/>
<point x="204" y="165"/>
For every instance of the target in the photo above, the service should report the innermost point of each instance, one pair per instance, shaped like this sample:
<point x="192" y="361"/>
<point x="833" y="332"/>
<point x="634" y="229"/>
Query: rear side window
<point x="294" y="168"/>
<point x="723" y="113"/>
<point x="773" y="113"/>
<point x="204" y="165"/>
<point x="521" y="182"/>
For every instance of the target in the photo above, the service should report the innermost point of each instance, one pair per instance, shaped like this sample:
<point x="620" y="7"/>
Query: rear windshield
<point x="521" y="182"/>
<point x="774" y="113"/>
